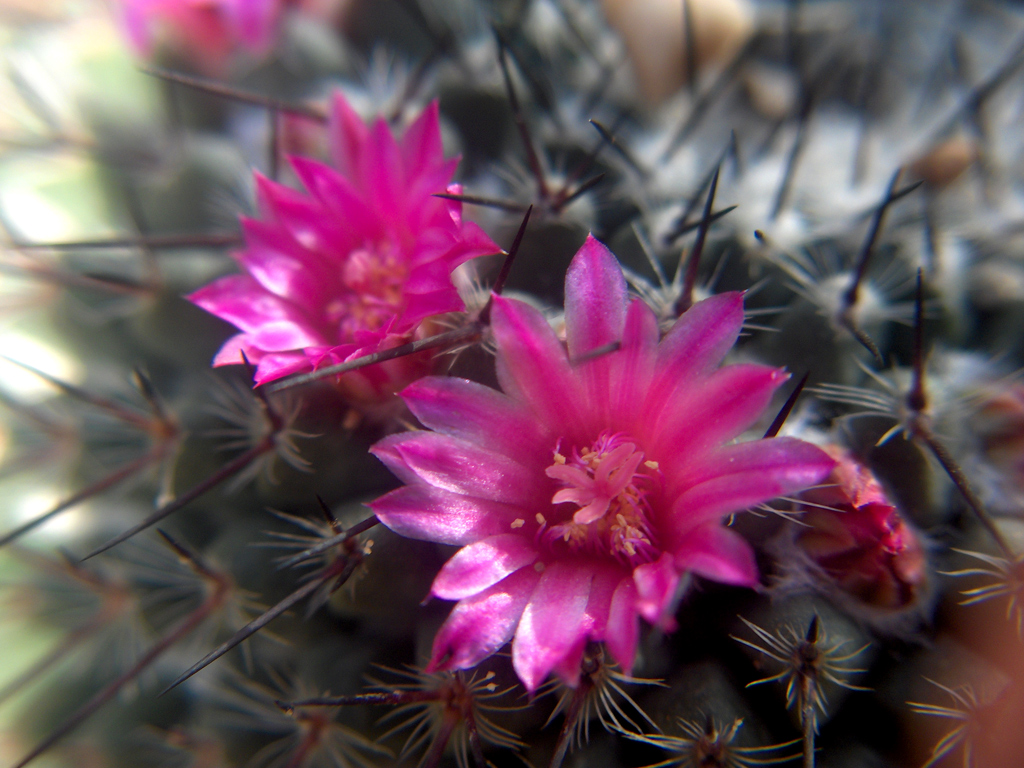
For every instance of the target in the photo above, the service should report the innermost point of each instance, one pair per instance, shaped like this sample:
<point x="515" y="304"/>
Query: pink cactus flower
<point x="862" y="543"/>
<point x="360" y="264"/>
<point x="208" y="29"/>
<point x="583" y="492"/>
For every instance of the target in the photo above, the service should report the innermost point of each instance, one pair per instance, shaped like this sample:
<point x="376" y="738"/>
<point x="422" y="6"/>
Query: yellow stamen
<point x="518" y="523"/>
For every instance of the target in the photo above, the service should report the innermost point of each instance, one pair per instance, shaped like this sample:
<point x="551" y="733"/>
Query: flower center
<point x="373" y="280"/>
<point x="608" y="482"/>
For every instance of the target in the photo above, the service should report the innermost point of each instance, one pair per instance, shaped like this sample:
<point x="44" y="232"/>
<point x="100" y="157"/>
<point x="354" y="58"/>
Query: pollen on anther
<point x="518" y="523"/>
<point x="559" y="458"/>
<point x="651" y="464"/>
<point x="541" y="519"/>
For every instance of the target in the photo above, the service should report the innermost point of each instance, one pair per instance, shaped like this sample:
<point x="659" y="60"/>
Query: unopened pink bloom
<point x="354" y="266"/>
<point x="861" y="542"/>
<point x="584" y="491"/>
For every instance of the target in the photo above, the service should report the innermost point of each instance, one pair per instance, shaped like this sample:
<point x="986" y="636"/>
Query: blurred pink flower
<point x="209" y="29"/>
<point x="582" y="493"/>
<point x="353" y="267"/>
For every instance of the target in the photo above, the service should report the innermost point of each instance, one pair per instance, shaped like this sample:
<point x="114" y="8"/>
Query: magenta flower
<point x="355" y="266"/>
<point x="208" y="29"/>
<point x="582" y="493"/>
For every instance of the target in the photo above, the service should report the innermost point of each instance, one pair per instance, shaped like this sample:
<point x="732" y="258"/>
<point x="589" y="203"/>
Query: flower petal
<point x="339" y="196"/>
<point x="741" y="476"/>
<point x="247" y="305"/>
<point x="275" y="365"/>
<point x="478" y="626"/>
<point x="716" y="553"/>
<point x="477" y="414"/>
<point x="430" y="514"/>
<point x="348" y="135"/>
<point x="633" y="366"/>
<point x="380" y="168"/>
<point x="655" y="589"/>
<point x="553" y="622"/>
<point x="282" y="266"/>
<point x="460" y="467"/>
<point x="697" y="342"/>
<point x="422" y="149"/>
<point x="474" y="568"/>
<point x="532" y="366"/>
<point x="623" y="628"/>
<point x="724" y="405"/>
<point x="595" y="299"/>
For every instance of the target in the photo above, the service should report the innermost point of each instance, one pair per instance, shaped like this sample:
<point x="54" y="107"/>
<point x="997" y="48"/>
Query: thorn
<point x="114" y="478"/>
<point x="803" y="119"/>
<point x="71" y="280"/>
<point x="852" y="294"/>
<point x="323" y="546"/>
<point x="227" y="92"/>
<point x="328" y="514"/>
<point x="114" y="408"/>
<point x="520" y="120"/>
<point x="145" y="386"/>
<point x="582" y="189"/>
<point x="506" y="267"/>
<point x="140" y="241"/>
<point x="919" y="428"/>
<point x="917" y="400"/>
<point x="685" y="300"/>
<point x="706" y="99"/>
<point x="690" y="41"/>
<point x="624" y="153"/>
<point x="691" y="204"/>
<point x="563" y="197"/>
<point x="687" y="228"/>
<point x="251" y="628"/>
<point x="983" y="90"/>
<point x="813" y="630"/>
<point x="212" y="602"/>
<point x="787" y="407"/>
<point x="490" y="202"/>
<point x="448" y="338"/>
<point x="847" y="322"/>
<point x="233" y="467"/>
<point x="601" y="351"/>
